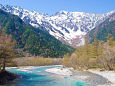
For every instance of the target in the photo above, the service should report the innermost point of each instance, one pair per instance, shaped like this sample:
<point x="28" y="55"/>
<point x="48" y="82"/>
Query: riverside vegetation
<point x="37" y="61"/>
<point x="98" y="54"/>
<point x="7" y="51"/>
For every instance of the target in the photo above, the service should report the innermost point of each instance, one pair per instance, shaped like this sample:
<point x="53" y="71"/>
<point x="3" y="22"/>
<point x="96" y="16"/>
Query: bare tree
<point x="6" y="50"/>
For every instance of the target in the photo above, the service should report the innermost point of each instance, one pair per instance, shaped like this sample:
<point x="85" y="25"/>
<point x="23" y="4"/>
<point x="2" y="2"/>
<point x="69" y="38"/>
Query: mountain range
<point x="31" y="41"/>
<point x="103" y="29"/>
<point x="68" y="27"/>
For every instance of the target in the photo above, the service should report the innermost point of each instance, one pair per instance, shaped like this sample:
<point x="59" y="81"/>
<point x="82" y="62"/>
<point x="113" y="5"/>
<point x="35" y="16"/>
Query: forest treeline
<point x="10" y="58"/>
<point x="98" y="54"/>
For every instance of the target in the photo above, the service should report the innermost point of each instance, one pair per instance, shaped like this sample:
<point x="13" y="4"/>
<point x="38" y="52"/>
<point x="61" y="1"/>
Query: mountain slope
<point x="103" y="29"/>
<point x="30" y="39"/>
<point x="68" y="26"/>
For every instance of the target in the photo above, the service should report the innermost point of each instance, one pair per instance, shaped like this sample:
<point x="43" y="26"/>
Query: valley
<point x="65" y="48"/>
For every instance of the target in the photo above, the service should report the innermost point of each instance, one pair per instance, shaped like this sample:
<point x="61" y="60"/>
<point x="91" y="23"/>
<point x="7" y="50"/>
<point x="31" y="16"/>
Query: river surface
<point x="37" y="76"/>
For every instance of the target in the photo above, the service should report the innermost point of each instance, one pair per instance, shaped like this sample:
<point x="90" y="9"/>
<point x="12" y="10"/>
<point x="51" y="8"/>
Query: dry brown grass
<point x="37" y="61"/>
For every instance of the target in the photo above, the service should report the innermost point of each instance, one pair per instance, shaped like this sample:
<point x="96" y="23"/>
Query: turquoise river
<point x="37" y="76"/>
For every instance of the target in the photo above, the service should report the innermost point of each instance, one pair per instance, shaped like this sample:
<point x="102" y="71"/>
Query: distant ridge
<point x="102" y="30"/>
<point x="67" y="26"/>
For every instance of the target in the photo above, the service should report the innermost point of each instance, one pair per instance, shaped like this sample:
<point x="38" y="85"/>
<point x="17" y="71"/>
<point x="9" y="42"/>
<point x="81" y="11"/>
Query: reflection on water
<point x="36" y="76"/>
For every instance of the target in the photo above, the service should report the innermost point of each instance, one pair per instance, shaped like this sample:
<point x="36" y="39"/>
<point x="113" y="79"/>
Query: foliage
<point x="6" y="50"/>
<point x="66" y="61"/>
<point x="99" y="54"/>
<point x="108" y="56"/>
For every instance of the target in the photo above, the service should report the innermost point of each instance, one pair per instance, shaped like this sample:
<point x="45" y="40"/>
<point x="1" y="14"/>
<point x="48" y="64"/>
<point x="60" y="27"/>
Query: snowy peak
<point x="111" y="12"/>
<point x="63" y="12"/>
<point x="68" y="26"/>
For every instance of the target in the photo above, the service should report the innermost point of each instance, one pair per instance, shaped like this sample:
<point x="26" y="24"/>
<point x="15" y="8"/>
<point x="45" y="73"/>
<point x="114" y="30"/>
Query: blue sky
<point x="53" y="6"/>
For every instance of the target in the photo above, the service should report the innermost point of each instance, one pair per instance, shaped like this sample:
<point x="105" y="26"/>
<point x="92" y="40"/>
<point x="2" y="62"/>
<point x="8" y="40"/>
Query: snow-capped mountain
<point x="68" y="26"/>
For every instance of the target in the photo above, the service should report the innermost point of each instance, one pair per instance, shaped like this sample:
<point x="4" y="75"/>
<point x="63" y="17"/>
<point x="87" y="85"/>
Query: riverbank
<point x="60" y="71"/>
<point x="93" y="77"/>
<point x="109" y="75"/>
<point x="6" y="76"/>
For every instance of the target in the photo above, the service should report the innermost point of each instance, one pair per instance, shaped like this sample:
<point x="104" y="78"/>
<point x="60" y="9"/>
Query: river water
<point x="37" y="76"/>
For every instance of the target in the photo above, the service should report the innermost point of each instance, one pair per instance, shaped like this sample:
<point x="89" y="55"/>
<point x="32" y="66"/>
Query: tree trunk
<point x="110" y="68"/>
<point x="4" y="65"/>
